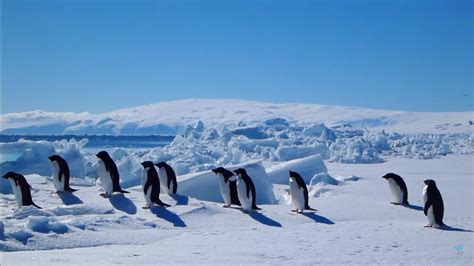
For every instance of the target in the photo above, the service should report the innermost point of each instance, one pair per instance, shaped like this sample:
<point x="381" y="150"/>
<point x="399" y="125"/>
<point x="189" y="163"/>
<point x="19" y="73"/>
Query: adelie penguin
<point x="228" y="188"/>
<point x="299" y="193"/>
<point x="398" y="188"/>
<point x="245" y="190"/>
<point x="434" y="207"/>
<point x="151" y="186"/>
<point x="60" y="174"/>
<point x="108" y="175"/>
<point x="167" y="178"/>
<point x="21" y="189"/>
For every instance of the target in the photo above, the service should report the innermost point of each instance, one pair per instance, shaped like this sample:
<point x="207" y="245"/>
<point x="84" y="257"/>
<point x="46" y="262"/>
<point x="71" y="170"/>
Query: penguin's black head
<point x="389" y="175"/>
<point x="147" y="164"/>
<point x="429" y="182"/>
<point x="218" y="170"/>
<point x="294" y="174"/>
<point x="54" y="158"/>
<point x="102" y="155"/>
<point x="221" y="170"/>
<point x="240" y="171"/>
<point x="10" y="175"/>
<point x="160" y="164"/>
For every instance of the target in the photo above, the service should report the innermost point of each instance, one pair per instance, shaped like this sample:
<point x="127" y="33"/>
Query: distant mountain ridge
<point x="168" y="118"/>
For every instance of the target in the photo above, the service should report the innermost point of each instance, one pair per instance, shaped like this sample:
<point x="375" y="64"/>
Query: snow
<point x="341" y="153"/>
<point x="355" y="224"/>
<point x="170" y="117"/>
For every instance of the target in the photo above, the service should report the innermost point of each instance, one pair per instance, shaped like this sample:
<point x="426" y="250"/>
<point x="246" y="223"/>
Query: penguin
<point x="434" y="207"/>
<point x="108" y="175"/>
<point x="21" y="189"/>
<point x="60" y="174"/>
<point x="151" y="186"/>
<point x="167" y="178"/>
<point x="228" y="188"/>
<point x="398" y="188"/>
<point x="299" y="193"/>
<point x="245" y="190"/>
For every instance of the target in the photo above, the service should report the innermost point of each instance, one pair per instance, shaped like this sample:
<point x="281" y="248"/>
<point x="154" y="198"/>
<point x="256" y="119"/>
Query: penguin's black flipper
<point x="427" y="206"/>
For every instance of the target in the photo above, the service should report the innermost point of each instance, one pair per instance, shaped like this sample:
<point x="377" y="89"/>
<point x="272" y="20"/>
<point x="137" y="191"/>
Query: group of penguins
<point x="236" y="187"/>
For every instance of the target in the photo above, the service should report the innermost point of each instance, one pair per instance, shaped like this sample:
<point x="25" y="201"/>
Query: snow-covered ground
<point x="354" y="224"/>
<point x="341" y="153"/>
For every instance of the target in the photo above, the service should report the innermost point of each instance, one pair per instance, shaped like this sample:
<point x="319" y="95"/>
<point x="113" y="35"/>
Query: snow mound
<point x="45" y="225"/>
<point x="323" y="179"/>
<point x="306" y="167"/>
<point x="205" y="185"/>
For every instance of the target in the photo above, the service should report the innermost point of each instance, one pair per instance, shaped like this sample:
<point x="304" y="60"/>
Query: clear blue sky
<point x="96" y="56"/>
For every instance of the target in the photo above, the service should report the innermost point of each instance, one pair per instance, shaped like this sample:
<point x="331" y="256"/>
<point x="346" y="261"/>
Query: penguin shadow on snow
<point x="259" y="217"/>
<point x="121" y="203"/>
<point x="180" y="199"/>
<point x="69" y="198"/>
<point x="454" y="229"/>
<point x="317" y="218"/>
<point x="168" y="216"/>
<point x="413" y="207"/>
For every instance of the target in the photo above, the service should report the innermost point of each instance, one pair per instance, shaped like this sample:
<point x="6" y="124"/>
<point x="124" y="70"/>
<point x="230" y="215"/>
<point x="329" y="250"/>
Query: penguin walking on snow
<point x="167" y="178"/>
<point x="434" y="207"/>
<point x="245" y="190"/>
<point x="228" y="188"/>
<point x="21" y="189"/>
<point x="60" y="174"/>
<point x="299" y="193"/>
<point x="398" y="188"/>
<point x="151" y="186"/>
<point x="108" y="175"/>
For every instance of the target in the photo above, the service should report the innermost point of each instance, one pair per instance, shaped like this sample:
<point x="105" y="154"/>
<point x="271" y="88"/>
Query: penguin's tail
<point x="36" y="206"/>
<point x="123" y="191"/>
<point x="70" y="189"/>
<point x="309" y="208"/>
<point x="255" y="207"/>
<point x="161" y="203"/>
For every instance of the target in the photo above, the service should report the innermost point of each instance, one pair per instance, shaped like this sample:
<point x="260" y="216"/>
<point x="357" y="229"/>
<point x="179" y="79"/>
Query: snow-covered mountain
<point x="170" y="117"/>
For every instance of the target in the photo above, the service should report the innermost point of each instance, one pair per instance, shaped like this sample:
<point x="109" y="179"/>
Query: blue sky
<point x="97" y="56"/>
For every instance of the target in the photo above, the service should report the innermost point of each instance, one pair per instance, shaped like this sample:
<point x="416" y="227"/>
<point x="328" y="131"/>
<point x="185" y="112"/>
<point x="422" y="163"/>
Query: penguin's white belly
<point x="396" y="191"/>
<point x="430" y="216"/>
<point x="246" y="202"/>
<point x="147" y="196"/>
<point x="105" y="178"/>
<point x="425" y="195"/>
<point x="225" y="189"/>
<point x="17" y="191"/>
<point x="58" y="185"/>
<point x="297" y="195"/>
<point x="163" y="180"/>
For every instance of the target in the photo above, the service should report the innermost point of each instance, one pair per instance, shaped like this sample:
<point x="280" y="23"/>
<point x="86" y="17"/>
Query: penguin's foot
<point x="244" y="210"/>
<point x="105" y="195"/>
<point x="226" y="206"/>
<point x="146" y="207"/>
<point x="395" y="203"/>
<point x="429" y="225"/>
<point x="294" y="210"/>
